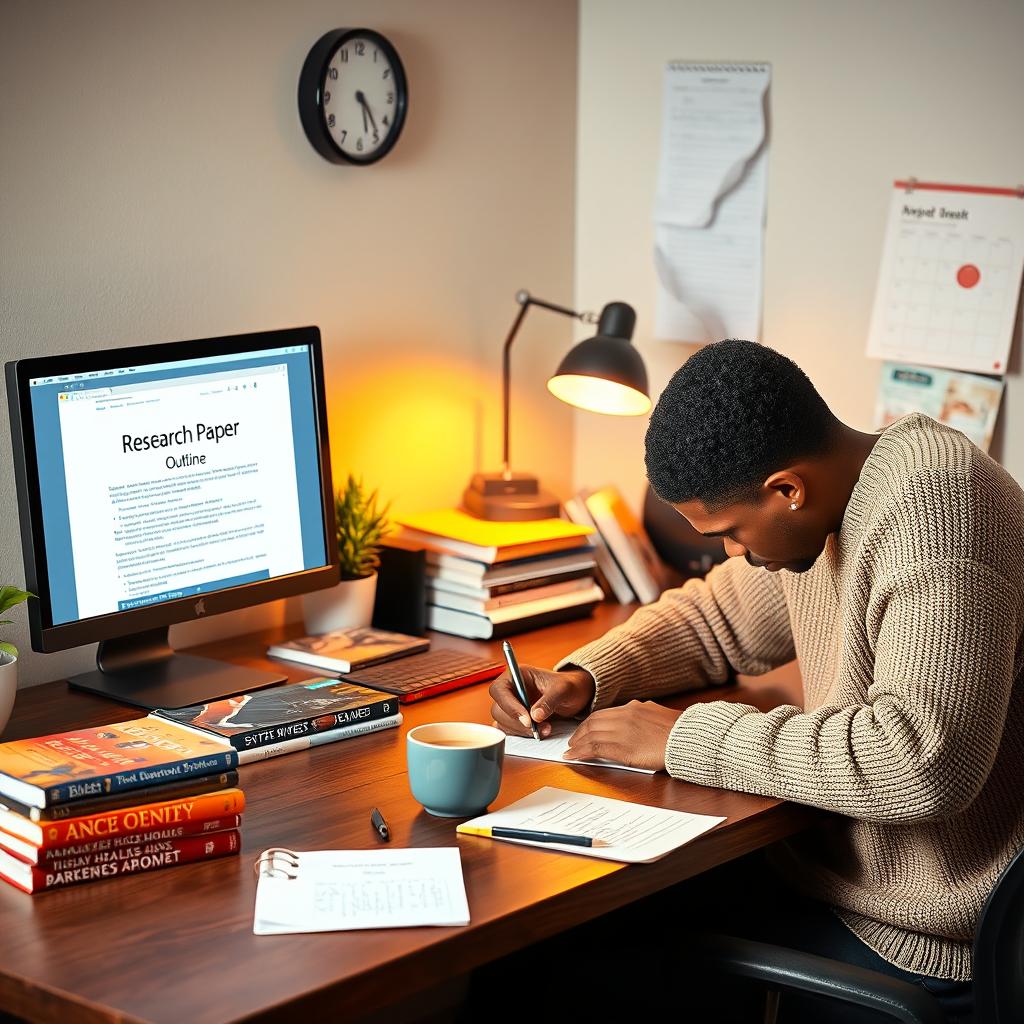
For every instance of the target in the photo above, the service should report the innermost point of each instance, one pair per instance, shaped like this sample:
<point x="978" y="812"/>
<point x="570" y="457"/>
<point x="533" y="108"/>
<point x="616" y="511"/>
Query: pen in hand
<point x="518" y="684"/>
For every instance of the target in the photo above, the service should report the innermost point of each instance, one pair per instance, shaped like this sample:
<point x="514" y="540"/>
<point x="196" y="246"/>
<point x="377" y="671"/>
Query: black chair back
<point x="999" y="950"/>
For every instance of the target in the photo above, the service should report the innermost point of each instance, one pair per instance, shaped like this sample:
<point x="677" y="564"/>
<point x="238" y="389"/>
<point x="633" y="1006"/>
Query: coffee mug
<point x="454" y="767"/>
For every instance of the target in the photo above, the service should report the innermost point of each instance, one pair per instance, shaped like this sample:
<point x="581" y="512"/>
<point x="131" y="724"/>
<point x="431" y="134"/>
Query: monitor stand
<point x="143" y="670"/>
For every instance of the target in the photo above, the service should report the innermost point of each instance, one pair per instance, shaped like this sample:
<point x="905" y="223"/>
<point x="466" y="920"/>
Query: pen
<point x="517" y="682"/>
<point x="380" y="825"/>
<point x="498" y="832"/>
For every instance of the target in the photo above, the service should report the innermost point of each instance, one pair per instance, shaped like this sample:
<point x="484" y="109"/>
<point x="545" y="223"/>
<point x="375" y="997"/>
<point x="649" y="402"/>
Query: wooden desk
<point x="177" y="945"/>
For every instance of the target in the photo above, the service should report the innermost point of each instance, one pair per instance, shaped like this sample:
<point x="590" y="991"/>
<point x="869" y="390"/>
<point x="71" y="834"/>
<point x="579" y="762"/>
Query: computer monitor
<point x="163" y="483"/>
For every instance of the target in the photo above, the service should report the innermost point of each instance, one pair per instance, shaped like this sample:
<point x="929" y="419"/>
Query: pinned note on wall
<point x="709" y="209"/>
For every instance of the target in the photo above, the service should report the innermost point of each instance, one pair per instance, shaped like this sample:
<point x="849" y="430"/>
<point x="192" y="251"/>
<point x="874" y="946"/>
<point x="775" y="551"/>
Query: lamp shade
<point x="605" y="373"/>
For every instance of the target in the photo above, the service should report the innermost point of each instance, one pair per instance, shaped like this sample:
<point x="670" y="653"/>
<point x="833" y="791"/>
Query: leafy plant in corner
<point x="361" y="525"/>
<point x="9" y="597"/>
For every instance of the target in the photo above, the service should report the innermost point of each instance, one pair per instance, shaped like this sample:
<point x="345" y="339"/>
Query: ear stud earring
<point x="793" y="506"/>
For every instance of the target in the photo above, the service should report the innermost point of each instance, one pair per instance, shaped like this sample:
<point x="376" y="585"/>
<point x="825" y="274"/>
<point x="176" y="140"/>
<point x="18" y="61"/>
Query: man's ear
<point x="786" y="486"/>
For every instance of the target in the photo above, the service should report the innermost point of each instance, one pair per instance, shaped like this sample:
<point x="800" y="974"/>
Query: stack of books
<point x="488" y="579"/>
<point x="114" y="800"/>
<point x="628" y="566"/>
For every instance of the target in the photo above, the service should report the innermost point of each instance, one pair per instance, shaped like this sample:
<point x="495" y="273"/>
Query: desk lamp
<point x="602" y="374"/>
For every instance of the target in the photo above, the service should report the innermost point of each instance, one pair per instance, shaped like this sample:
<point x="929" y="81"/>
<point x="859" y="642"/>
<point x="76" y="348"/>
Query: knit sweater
<point x="908" y="634"/>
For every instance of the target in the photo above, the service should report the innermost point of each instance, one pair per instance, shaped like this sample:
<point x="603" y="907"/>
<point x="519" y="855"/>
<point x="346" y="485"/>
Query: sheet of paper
<point x="711" y="280"/>
<point x="950" y="278"/>
<point x="343" y="890"/>
<point x="966" y="401"/>
<point x="709" y="208"/>
<point x="636" y="833"/>
<point x="553" y="747"/>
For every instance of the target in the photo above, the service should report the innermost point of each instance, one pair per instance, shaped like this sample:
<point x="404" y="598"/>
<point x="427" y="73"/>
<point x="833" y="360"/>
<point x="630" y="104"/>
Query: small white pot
<point x="348" y="604"/>
<point x="8" y="687"/>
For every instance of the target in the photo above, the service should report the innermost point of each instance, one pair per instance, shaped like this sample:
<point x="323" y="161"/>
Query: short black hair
<point x="734" y="413"/>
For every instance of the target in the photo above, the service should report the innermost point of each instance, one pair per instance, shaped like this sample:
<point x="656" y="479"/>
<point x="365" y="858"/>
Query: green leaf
<point x="10" y="596"/>
<point x="6" y="648"/>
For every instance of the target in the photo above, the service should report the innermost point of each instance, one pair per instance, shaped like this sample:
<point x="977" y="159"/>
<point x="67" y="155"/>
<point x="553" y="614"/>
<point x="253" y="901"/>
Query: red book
<point x="128" y="861"/>
<point x="43" y="855"/>
<point x="123" y="821"/>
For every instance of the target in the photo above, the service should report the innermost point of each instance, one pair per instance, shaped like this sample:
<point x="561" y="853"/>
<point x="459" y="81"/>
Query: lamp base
<point x="512" y="498"/>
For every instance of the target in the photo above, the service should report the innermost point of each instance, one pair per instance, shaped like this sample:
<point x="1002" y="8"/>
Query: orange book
<point x="150" y="857"/>
<point x="124" y="821"/>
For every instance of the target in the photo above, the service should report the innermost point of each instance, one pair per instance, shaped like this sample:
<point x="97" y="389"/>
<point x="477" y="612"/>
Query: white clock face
<point x="360" y="97"/>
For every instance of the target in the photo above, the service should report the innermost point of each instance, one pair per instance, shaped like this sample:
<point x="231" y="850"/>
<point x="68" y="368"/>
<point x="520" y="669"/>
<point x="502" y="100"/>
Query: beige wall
<point x="156" y="185"/>
<point x="861" y="93"/>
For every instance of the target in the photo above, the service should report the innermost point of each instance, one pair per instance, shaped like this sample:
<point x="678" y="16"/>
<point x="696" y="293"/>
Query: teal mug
<point x="455" y="767"/>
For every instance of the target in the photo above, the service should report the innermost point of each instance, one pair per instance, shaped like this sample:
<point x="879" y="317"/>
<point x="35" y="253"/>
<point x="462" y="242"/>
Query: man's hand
<point x="636" y="734"/>
<point x="561" y="694"/>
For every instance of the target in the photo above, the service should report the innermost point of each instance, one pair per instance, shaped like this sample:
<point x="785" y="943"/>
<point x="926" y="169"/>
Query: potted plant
<point x="360" y="524"/>
<point x="9" y="597"/>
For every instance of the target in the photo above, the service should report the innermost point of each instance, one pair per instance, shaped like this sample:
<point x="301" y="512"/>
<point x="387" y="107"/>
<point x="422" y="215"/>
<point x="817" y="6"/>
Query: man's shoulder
<point x="955" y="500"/>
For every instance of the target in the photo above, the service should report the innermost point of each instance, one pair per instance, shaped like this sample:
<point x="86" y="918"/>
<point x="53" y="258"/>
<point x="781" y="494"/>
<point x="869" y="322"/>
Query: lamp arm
<point x="525" y="300"/>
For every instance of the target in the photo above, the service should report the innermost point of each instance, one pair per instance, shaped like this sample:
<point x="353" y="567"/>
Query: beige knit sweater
<point x="908" y="633"/>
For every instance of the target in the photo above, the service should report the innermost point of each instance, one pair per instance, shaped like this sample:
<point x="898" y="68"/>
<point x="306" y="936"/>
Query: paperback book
<point x="86" y="763"/>
<point x="347" y="649"/>
<point x="281" y="713"/>
<point x="147" y="857"/>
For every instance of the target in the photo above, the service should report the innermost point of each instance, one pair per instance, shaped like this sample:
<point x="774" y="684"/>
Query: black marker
<point x="380" y="825"/>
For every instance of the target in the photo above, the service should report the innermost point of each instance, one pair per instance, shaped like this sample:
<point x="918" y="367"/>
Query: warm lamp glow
<point x="599" y="395"/>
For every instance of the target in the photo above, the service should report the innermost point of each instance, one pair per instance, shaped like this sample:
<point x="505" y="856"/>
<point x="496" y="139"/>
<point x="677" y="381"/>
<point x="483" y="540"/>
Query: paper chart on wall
<point x="950" y="278"/>
<point x="710" y="203"/>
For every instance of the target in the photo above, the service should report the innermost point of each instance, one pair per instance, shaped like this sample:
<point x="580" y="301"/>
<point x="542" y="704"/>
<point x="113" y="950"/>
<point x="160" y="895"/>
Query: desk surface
<point x="177" y="945"/>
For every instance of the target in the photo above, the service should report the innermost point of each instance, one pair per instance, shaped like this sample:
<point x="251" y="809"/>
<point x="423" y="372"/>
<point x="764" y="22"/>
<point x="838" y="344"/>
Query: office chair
<point x="998" y="966"/>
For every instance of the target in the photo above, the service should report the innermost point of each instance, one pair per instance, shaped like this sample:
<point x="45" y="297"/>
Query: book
<point x="450" y="597"/>
<point x="44" y="855"/>
<point x="482" y="574"/>
<point x="149" y="857"/>
<point x="456" y="583"/>
<point x="346" y="649"/>
<point x="195" y="786"/>
<point x="96" y="761"/>
<point x="124" y="820"/>
<point x="627" y="542"/>
<point x="281" y="713"/>
<point x="458" y="533"/>
<point x="506" y="621"/>
<point x="615" y="583"/>
<point x="317" y="739"/>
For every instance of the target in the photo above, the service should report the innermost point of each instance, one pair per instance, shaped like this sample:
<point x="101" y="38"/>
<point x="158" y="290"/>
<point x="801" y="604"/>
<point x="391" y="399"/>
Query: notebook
<point x="346" y="890"/>
<point x="635" y="833"/>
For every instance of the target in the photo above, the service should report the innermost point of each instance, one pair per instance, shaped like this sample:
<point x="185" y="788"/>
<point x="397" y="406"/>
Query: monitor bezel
<point x="48" y="637"/>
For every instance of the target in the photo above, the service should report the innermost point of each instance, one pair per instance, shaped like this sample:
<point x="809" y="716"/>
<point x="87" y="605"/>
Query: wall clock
<point x="353" y="96"/>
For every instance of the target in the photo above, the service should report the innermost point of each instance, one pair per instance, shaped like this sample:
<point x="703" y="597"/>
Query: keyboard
<point x="418" y="676"/>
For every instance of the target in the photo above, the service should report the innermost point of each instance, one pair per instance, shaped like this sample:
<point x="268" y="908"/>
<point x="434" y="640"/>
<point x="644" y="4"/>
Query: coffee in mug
<point x="455" y="767"/>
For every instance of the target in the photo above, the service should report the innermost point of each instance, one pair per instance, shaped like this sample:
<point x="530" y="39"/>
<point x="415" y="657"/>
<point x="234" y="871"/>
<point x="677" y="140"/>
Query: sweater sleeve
<point x="736" y="616"/>
<point x="922" y="744"/>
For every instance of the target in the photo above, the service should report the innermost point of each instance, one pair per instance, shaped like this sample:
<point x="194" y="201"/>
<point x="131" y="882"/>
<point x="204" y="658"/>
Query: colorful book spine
<point x="42" y="856"/>
<point x="150" y="857"/>
<point x="317" y="739"/>
<point x="139" y="778"/>
<point x="97" y="805"/>
<point x="125" y="820"/>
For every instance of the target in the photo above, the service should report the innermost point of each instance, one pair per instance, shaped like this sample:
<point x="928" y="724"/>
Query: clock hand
<point x="366" y="110"/>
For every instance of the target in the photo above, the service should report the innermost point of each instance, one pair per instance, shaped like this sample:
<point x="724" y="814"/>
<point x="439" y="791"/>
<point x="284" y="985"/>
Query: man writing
<point x="890" y="566"/>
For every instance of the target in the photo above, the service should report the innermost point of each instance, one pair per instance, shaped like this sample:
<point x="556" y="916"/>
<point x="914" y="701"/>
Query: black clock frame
<point x="311" y="107"/>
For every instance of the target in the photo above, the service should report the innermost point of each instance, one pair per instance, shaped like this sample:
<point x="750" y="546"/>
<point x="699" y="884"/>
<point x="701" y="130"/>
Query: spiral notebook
<point x="346" y="890"/>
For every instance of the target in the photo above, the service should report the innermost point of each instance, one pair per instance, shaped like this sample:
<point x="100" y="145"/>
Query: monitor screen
<point x="176" y="478"/>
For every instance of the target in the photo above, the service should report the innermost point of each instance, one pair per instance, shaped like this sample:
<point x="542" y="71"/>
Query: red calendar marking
<point x="968" y="276"/>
